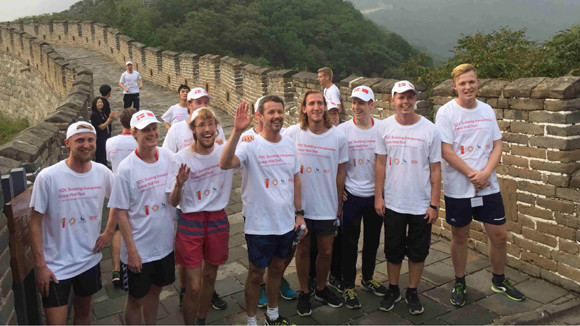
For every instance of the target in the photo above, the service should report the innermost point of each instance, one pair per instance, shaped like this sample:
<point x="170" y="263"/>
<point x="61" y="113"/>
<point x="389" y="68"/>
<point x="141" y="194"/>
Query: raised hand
<point x="241" y="120"/>
<point x="182" y="174"/>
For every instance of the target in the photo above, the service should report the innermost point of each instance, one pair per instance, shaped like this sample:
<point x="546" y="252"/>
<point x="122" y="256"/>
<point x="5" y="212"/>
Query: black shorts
<point x="131" y="100"/>
<point x="83" y="285"/>
<point x="261" y="248"/>
<point x="400" y="242"/>
<point x="320" y="227"/>
<point x="159" y="272"/>
<point x="458" y="211"/>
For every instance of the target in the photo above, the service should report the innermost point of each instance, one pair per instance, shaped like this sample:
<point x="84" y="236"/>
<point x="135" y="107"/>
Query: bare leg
<point x="323" y="260"/>
<point x="459" y="249"/>
<point x="415" y="271"/>
<point x="275" y="273"/>
<point x="151" y="304"/>
<point x="82" y="306"/>
<point x="133" y="310"/>
<point x="497" y="247"/>
<point x="207" y="287"/>
<point x="56" y="315"/>
<point x="116" y="251"/>
<point x="394" y="271"/>
<point x="191" y="298"/>
<point x="253" y="282"/>
<point x="303" y="263"/>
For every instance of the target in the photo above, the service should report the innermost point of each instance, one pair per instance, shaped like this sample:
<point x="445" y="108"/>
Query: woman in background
<point x="101" y="123"/>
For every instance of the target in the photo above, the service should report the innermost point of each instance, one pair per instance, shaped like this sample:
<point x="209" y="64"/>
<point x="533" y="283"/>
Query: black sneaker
<point x="280" y="321"/>
<point x="350" y="298"/>
<point x="326" y="296"/>
<point x="374" y="287"/>
<point x="311" y="285"/>
<point x="335" y="283"/>
<point x="388" y="302"/>
<point x="218" y="303"/>
<point x="458" y="294"/>
<point x="303" y="307"/>
<point x="509" y="290"/>
<point x="413" y="302"/>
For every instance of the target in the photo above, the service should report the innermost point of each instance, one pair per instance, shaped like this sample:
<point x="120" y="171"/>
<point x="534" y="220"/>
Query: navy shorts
<point x="261" y="248"/>
<point x="458" y="211"/>
<point x="83" y="285"/>
<point x="320" y="227"/>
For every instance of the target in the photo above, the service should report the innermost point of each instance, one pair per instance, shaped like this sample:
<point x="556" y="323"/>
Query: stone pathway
<point x="544" y="303"/>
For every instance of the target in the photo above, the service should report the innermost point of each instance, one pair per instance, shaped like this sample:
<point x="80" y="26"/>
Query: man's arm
<point x="229" y="160"/>
<point x="180" y="179"/>
<point x="435" y="179"/>
<point x="480" y="179"/>
<point x="298" y="203"/>
<point x="123" y="87"/>
<point x="122" y="216"/>
<point x="43" y="273"/>
<point x="167" y="125"/>
<point x="380" y="166"/>
<point x="340" y="179"/>
<point x="140" y="82"/>
<point x="105" y="237"/>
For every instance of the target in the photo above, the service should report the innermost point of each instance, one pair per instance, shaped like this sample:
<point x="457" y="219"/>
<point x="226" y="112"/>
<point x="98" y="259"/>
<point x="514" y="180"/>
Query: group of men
<point x="300" y="186"/>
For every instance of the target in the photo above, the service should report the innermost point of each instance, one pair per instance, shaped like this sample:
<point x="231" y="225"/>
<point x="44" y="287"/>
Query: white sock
<point x="272" y="313"/>
<point x="252" y="321"/>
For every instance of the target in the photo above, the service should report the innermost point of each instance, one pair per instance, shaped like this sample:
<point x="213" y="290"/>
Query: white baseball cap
<point x="403" y="86"/>
<point x="258" y="103"/>
<point x="74" y="129"/>
<point x="196" y="113"/>
<point x="331" y="105"/>
<point x="128" y="63"/>
<point x="365" y="93"/>
<point x="142" y="119"/>
<point x="196" y="93"/>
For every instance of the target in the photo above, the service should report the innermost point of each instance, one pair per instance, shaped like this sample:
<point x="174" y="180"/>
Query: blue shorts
<point x="458" y="211"/>
<point x="261" y="248"/>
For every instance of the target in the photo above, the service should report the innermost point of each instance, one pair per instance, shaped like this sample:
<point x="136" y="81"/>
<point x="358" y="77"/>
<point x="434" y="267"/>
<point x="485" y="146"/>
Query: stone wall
<point x="539" y="174"/>
<point x="7" y="313"/>
<point x="57" y="94"/>
<point x="226" y="79"/>
<point x="23" y="94"/>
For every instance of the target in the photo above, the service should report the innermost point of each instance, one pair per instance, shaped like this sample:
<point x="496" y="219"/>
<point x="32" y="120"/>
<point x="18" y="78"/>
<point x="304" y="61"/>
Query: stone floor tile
<point x="438" y="273"/>
<point x="540" y="290"/>
<point x="381" y="318"/>
<point x="232" y="309"/>
<point x="442" y="293"/>
<point x="480" y="281"/>
<point x="230" y="269"/>
<point x="435" y="256"/>
<point x="327" y="315"/>
<point x="432" y="310"/>
<point x="470" y="314"/>
<point x="504" y="306"/>
<point x="109" y="307"/>
<point x="227" y="286"/>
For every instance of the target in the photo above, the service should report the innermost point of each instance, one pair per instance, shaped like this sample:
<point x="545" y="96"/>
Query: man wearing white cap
<point x="408" y="175"/>
<point x="140" y="204"/>
<point x="362" y="132"/>
<point x="180" y="135"/>
<point x="131" y="83"/>
<point x="67" y="203"/>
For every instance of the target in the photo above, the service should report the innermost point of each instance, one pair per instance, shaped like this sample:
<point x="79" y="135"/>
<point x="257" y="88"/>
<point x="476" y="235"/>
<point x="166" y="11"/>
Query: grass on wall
<point x="11" y="127"/>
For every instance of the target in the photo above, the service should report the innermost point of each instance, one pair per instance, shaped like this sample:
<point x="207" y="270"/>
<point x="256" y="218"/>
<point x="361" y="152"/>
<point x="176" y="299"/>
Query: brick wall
<point x="7" y="313"/>
<point x="539" y="174"/>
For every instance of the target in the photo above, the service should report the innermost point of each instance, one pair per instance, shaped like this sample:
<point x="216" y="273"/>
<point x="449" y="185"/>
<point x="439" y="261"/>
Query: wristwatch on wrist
<point x="434" y="207"/>
<point x="300" y="212"/>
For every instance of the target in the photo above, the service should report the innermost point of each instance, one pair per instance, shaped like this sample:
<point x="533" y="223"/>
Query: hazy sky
<point x="12" y="9"/>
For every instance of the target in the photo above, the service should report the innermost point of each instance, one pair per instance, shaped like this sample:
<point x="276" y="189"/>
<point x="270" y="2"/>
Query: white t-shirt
<point x="333" y="94"/>
<point x="72" y="204"/>
<point x="252" y="132"/>
<point x="360" y="168"/>
<point x="131" y="81"/>
<point x="118" y="148"/>
<point x="319" y="157"/>
<point x="208" y="187"/>
<point x="140" y="189"/>
<point x="180" y="136"/>
<point x="175" y="114"/>
<point x="409" y="150"/>
<point x="471" y="133"/>
<point x="268" y="188"/>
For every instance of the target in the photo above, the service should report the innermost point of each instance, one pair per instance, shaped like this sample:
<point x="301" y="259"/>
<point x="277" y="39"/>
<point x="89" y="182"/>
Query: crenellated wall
<point x="539" y="173"/>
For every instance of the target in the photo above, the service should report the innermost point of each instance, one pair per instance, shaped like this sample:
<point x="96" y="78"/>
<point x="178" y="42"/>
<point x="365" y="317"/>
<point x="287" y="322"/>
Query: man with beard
<point x="202" y="190"/>
<point x="322" y="152"/>
<point x="67" y="203"/>
<point x="141" y="206"/>
<point x="271" y="201"/>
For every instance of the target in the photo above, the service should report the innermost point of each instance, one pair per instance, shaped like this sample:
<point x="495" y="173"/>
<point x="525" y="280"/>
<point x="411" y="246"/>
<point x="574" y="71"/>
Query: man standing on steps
<point x="471" y="147"/>
<point x="331" y="91"/>
<point x="179" y="137"/>
<point x="271" y="201"/>
<point x="131" y="83"/>
<point x="322" y="153"/>
<point x="408" y="175"/>
<point x="359" y="205"/>
<point x="67" y="203"/>
<point x="140" y="204"/>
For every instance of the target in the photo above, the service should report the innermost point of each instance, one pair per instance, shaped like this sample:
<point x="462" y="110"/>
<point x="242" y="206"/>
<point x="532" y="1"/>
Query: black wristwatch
<point x="301" y="212"/>
<point x="434" y="207"/>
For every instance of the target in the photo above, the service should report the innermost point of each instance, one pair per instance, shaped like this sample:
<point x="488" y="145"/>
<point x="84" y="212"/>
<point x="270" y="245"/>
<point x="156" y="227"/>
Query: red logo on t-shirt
<point x="72" y="221"/>
<point x="275" y="182"/>
<point x="470" y="148"/>
<point x="146" y="209"/>
<point x="199" y="195"/>
<point x="155" y="208"/>
<point x="267" y="183"/>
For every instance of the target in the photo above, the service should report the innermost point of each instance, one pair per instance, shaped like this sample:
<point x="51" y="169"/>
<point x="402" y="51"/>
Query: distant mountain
<point x="435" y="25"/>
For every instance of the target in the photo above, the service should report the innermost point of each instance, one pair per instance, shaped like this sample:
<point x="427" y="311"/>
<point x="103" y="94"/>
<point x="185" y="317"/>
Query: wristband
<point x="300" y="212"/>
<point x="434" y="207"/>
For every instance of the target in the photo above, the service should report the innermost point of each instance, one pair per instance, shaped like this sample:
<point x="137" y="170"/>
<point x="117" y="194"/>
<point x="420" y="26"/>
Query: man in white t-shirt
<point x="140" y="204"/>
<point x="67" y="203"/>
<point x="408" y="175"/>
<point x="471" y="147"/>
<point x="361" y="132"/>
<point x="202" y="189"/>
<point x="271" y="201"/>
<point x="117" y="148"/>
<point x="331" y="91"/>
<point x="180" y="135"/>
<point x="131" y="82"/>
<point x="179" y="111"/>
<point x="322" y="152"/>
